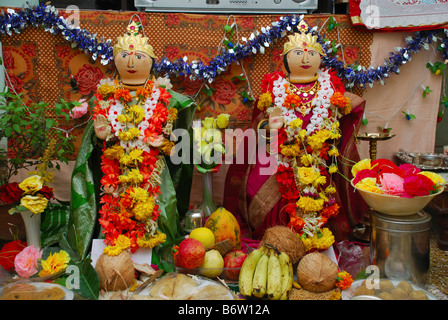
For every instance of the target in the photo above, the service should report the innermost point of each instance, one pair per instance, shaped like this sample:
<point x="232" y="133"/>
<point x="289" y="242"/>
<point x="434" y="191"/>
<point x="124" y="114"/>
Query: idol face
<point x="303" y="63"/>
<point x="134" y="67"/>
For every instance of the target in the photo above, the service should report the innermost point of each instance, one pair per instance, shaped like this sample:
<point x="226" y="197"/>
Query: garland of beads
<point x="47" y="17"/>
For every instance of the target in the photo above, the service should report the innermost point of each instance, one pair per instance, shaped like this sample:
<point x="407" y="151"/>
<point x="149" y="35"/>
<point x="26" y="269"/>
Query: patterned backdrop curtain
<point x="44" y="67"/>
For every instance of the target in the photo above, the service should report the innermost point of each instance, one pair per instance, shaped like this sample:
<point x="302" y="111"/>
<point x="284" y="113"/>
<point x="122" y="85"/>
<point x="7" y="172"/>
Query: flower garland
<point x="140" y="124"/>
<point x="305" y="186"/>
<point x="48" y="17"/>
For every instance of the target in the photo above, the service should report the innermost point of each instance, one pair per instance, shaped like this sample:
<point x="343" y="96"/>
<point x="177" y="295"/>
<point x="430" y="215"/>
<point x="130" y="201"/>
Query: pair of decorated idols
<point x="138" y="193"/>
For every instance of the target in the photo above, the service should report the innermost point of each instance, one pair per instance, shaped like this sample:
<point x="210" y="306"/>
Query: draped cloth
<point x="86" y="182"/>
<point x="257" y="203"/>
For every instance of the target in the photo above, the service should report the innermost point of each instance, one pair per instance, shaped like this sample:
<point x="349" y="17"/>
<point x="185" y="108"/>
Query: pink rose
<point x="79" y="111"/>
<point x="25" y="262"/>
<point x="391" y="184"/>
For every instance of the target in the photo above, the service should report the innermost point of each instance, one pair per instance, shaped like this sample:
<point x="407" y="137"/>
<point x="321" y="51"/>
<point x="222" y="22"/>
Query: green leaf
<point x="228" y="28"/>
<point x="89" y="283"/>
<point x="17" y="128"/>
<point x="365" y="121"/>
<point x="48" y="123"/>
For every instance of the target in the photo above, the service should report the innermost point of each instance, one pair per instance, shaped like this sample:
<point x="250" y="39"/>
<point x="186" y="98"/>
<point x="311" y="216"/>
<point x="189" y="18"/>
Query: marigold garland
<point x="140" y="126"/>
<point x="303" y="174"/>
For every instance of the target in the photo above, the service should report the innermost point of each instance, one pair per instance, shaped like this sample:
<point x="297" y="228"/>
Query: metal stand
<point x="363" y="230"/>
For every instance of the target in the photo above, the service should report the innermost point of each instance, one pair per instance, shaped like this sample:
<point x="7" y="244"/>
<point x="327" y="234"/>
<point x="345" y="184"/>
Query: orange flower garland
<point x="303" y="174"/>
<point x="132" y="166"/>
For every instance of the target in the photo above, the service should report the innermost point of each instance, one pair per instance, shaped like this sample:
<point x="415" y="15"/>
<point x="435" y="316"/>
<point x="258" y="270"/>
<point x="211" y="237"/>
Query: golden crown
<point x="134" y="41"/>
<point x="302" y="40"/>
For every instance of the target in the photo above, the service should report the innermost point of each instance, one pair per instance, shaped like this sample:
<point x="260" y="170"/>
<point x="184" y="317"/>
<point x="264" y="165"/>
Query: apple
<point x="191" y="253"/>
<point x="234" y="259"/>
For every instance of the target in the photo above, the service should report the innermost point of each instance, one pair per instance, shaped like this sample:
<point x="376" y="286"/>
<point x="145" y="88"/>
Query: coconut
<point x="285" y="240"/>
<point x="115" y="272"/>
<point x="316" y="272"/>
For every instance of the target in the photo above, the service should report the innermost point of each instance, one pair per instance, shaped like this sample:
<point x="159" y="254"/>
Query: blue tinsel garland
<point x="47" y="17"/>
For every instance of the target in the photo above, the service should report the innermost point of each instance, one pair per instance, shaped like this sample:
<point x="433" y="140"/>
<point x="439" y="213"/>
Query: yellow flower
<point x="137" y="113"/>
<point x="123" y="118"/>
<point x="121" y="243"/>
<point x="31" y="184"/>
<point x="209" y="123"/>
<point x="291" y="150"/>
<point x="139" y="194"/>
<point x="264" y="101"/>
<point x="55" y="263"/>
<point x="133" y="177"/>
<point x="330" y="189"/>
<point x="131" y="134"/>
<point x="126" y="160"/>
<point x="306" y="159"/>
<point x="368" y="184"/>
<point x="323" y="196"/>
<point x="334" y="152"/>
<point x="307" y="175"/>
<point x="222" y="121"/>
<point x="105" y="89"/>
<point x="151" y="242"/>
<point x="317" y="140"/>
<point x="136" y="155"/>
<point x="296" y="124"/>
<point x="308" y="204"/>
<point x="167" y="147"/>
<point x="143" y="210"/>
<point x="335" y="295"/>
<point x="172" y="114"/>
<point x="115" y="152"/>
<point x="319" y="180"/>
<point x="333" y="168"/>
<point x="112" y="250"/>
<point x="436" y="178"/>
<point x="320" y="241"/>
<point x="36" y="204"/>
<point x="361" y="165"/>
<point x="302" y="135"/>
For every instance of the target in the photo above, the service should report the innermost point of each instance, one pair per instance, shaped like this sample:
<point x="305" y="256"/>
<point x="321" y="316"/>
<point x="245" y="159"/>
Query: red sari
<point x="244" y="181"/>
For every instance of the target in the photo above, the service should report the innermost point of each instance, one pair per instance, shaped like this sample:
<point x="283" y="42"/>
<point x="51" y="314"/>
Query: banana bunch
<point x="266" y="274"/>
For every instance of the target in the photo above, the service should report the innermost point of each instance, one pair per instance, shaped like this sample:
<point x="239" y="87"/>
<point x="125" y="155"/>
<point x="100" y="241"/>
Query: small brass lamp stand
<point x="362" y="231"/>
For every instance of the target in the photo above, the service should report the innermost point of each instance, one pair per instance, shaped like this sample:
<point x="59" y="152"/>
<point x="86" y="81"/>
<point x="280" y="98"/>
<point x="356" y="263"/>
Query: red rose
<point x="191" y="86"/>
<point x="8" y="59"/>
<point x="224" y="92"/>
<point x="9" y="252"/>
<point x="47" y="192"/>
<point x="88" y="78"/>
<point x="416" y="185"/>
<point x="16" y="83"/>
<point x="10" y="192"/>
<point x="172" y="52"/>
<point x="172" y="19"/>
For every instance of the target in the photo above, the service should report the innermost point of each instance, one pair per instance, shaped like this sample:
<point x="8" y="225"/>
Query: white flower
<point x="107" y="81"/>
<point x="163" y="82"/>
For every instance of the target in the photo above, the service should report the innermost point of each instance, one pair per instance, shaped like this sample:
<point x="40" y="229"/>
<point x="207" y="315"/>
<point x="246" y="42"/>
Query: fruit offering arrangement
<point x="213" y="250"/>
<point x="266" y="273"/>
